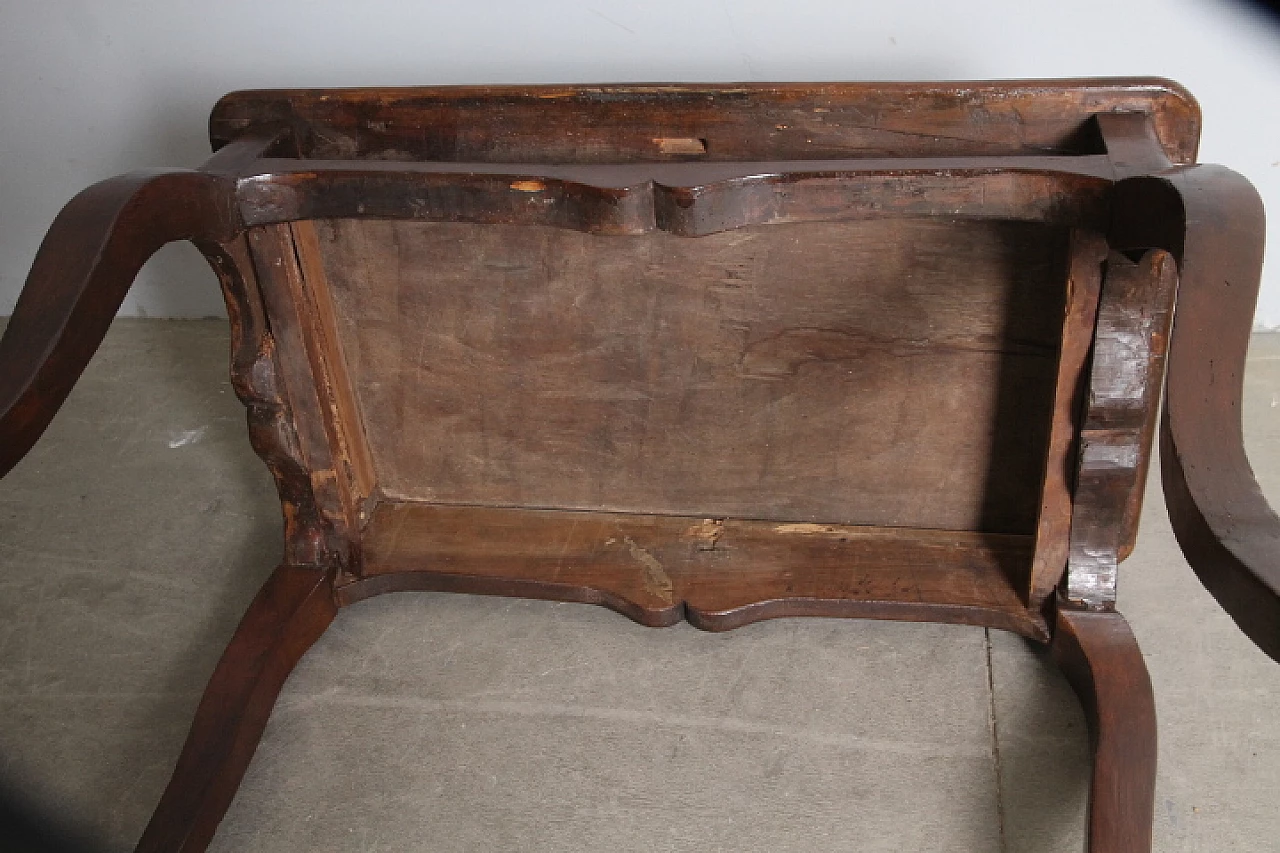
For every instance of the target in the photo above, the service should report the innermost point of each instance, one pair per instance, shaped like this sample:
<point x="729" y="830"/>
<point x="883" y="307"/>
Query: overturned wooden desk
<point x="707" y="353"/>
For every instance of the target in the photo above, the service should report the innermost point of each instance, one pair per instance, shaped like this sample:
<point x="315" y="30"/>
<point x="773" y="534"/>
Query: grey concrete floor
<point x="135" y="534"/>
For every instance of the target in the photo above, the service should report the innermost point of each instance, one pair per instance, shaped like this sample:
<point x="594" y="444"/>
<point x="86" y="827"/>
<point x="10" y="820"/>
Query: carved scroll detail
<point x="308" y="537"/>
<point x="1115" y="444"/>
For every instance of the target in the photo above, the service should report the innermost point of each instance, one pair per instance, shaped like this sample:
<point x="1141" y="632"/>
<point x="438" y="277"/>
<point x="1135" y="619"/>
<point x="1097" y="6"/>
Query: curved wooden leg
<point x="290" y="612"/>
<point x="1101" y="659"/>
<point x="80" y="276"/>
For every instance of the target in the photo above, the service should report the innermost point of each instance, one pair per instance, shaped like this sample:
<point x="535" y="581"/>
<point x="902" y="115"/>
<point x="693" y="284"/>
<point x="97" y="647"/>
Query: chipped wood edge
<point x="1134" y="313"/>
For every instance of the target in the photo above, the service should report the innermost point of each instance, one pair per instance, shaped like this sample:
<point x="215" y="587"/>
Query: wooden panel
<point x="347" y="432"/>
<point x="688" y="199"/>
<point x="291" y="319"/>
<point x="1084" y="282"/>
<point x="719" y="574"/>
<point x="1115" y="442"/>
<point x="856" y="373"/>
<point x="618" y="123"/>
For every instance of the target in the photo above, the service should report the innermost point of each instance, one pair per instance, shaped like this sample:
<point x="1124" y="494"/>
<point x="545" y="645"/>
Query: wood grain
<point x="738" y="121"/>
<point x="1101" y="659"/>
<point x="836" y="367"/>
<point x="290" y="613"/>
<point x="1088" y="251"/>
<point x="716" y="573"/>
<point x="690" y="200"/>
<point x="343" y="420"/>
<point x="874" y="373"/>
<point x="256" y="378"/>
<point x="85" y="266"/>
<point x="305" y="389"/>
<point x="1211" y="219"/>
<point x="1134" y="313"/>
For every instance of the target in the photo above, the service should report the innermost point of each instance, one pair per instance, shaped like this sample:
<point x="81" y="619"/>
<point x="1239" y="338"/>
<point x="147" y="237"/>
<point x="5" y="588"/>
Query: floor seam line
<point x="995" y="744"/>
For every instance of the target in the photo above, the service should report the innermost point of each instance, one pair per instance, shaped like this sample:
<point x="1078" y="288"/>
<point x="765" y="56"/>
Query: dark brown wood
<point x="1053" y="528"/>
<point x="744" y="121"/>
<point x="1115" y="441"/>
<point x="863" y="388"/>
<point x="345" y="425"/>
<point x="80" y="276"/>
<point x="690" y="200"/>
<point x="251" y="148"/>
<point x="1134" y="149"/>
<point x="716" y="573"/>
<point x="303" y="386"/>
<point x="1100" y="658"/>
<point x="1133" y="144"/>
<point x="678" y="175"/>
<point x="256" y="377"/>
<point x="289" y="614"/>
<point x="1211" y="219"/>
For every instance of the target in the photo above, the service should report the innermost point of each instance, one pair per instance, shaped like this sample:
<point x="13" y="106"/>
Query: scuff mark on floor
<point x="187" y="436"/>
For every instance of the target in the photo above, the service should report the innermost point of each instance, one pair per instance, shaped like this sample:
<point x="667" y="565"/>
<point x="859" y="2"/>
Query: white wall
<point x="89" y="89"/>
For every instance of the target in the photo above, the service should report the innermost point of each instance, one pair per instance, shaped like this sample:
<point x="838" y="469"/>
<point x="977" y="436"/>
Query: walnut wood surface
<point x="690" y="200"/>
<point x="921" y="238"/>
<point x="302" y="382"/>
<point x="885" y="373"/>
<point x="79" y="278"/>
<point x="257" y="378"/>
<point x="330" y="363"/>
<point x="1119" y="417"/>
<point x="771" y="121"/>
<point x="1088" y="251"/>
<point x="1211" y="219"/>
<point x="289" y="614"/>
<point x="1101" y="659"/>
<point x="716" y="573"/>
